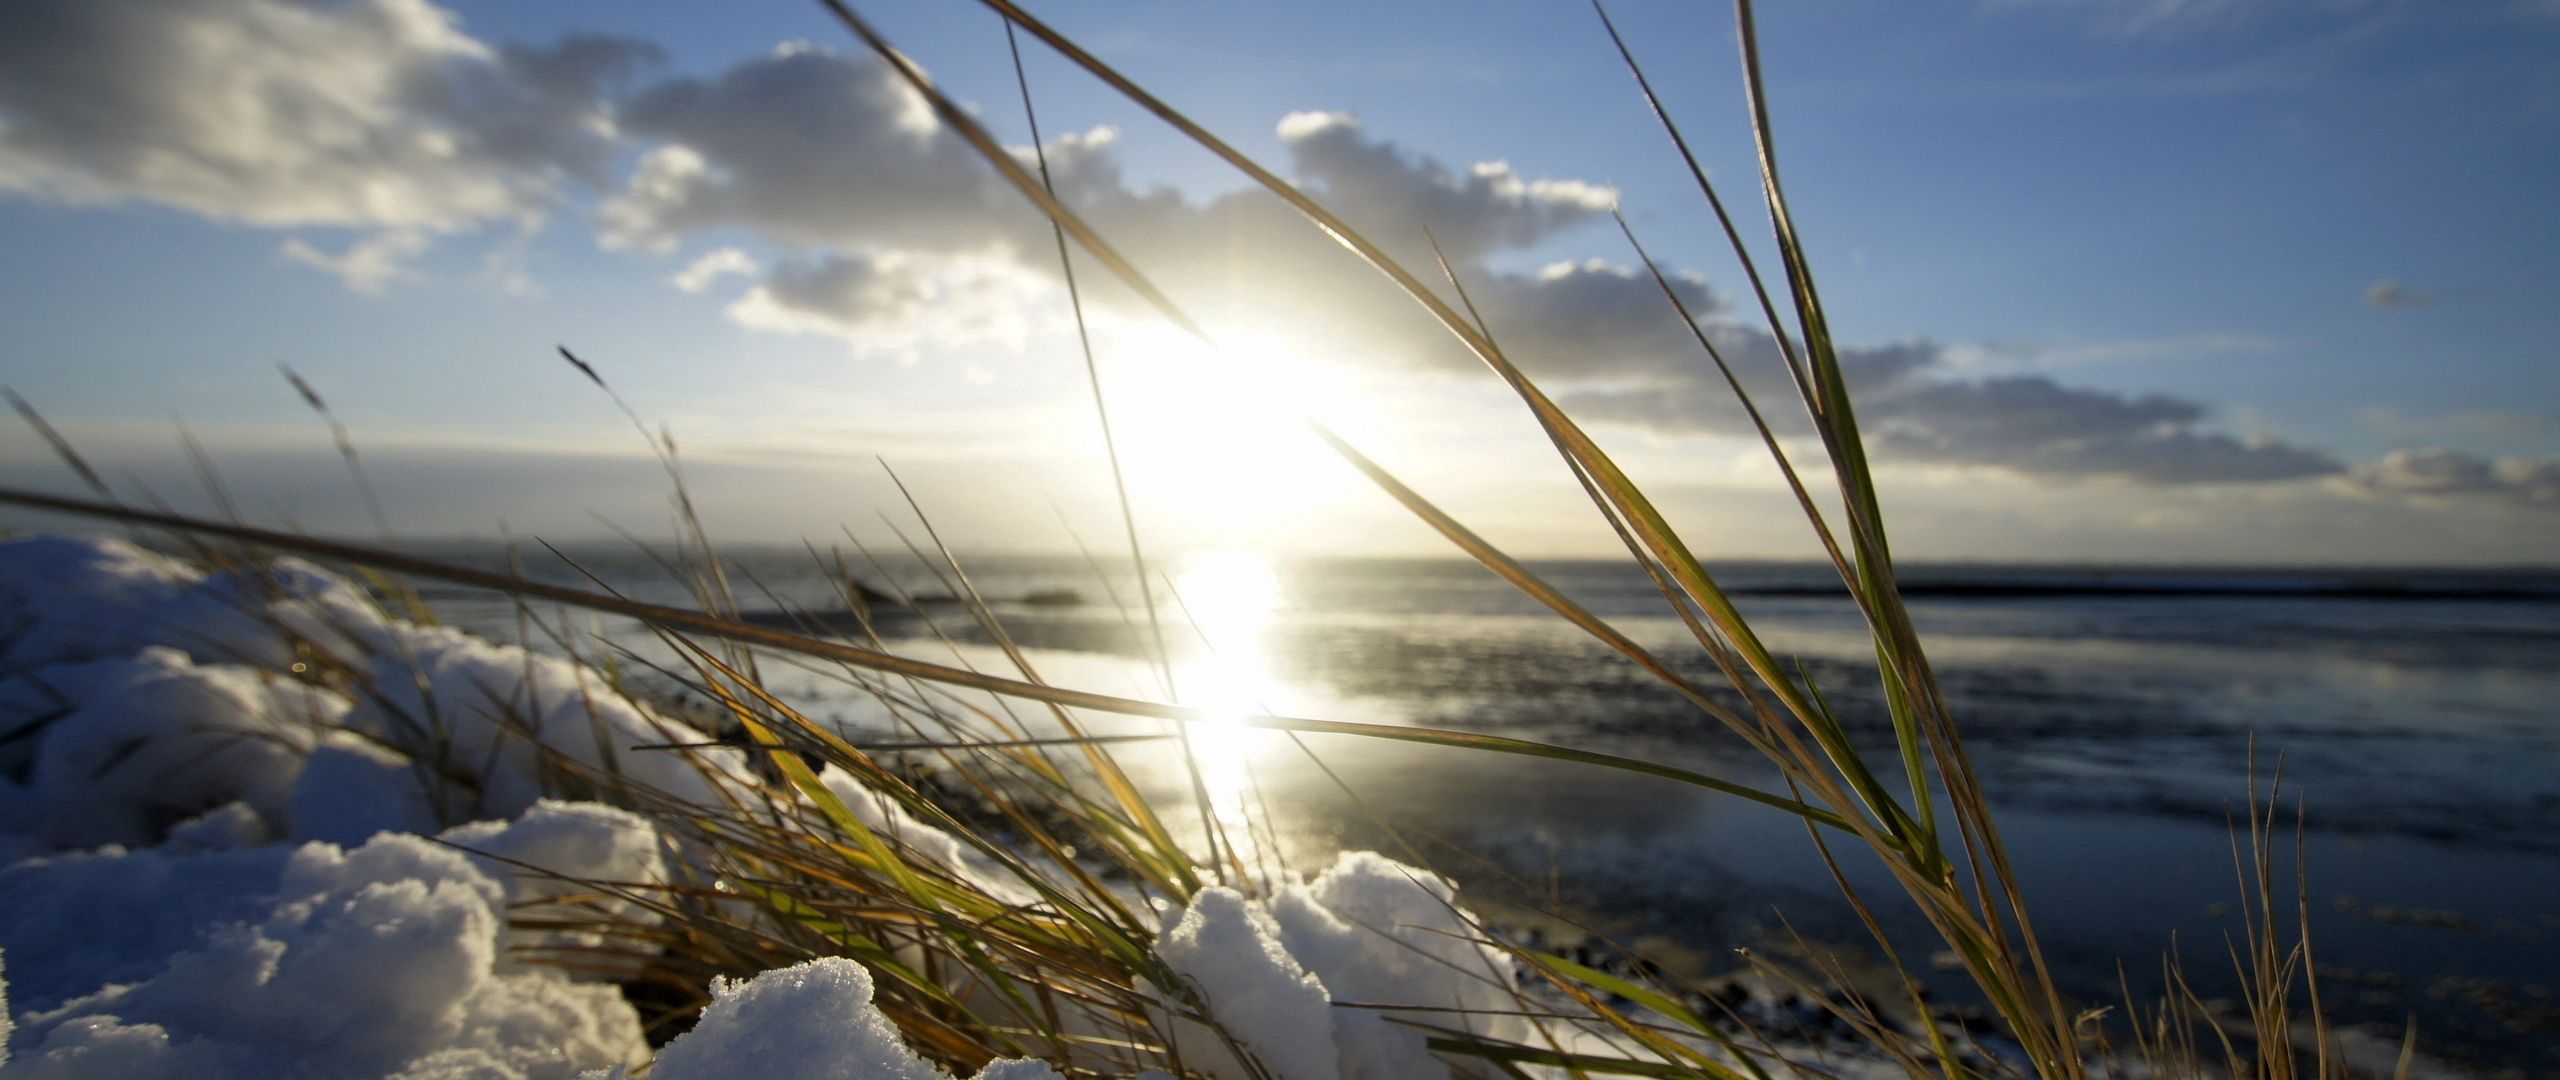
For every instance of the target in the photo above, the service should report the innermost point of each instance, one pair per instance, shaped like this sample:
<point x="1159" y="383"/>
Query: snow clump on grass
<point x="310" y="961"/>
<point x="810" y="1021"/>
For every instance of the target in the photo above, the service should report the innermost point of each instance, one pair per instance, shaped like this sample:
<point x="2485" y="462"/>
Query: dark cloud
<point x="1375" y="184"/>
<point x="1912" y="409"/>
<point x="2451" y="474"/>
<point x="849" y="287"/>
<point x="379" y="114"/>
<point x="897" y="300"/>
<point x="1691" y="397"/>
<point x="1590" y="319"/>
<point x="815" y="150"/>
<point x="739" y="154"/>
<point x="811" y="149"/>
<point x="2034" y="425"/>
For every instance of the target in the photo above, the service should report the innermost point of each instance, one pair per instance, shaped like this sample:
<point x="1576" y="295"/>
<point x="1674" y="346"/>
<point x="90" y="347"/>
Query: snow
<point x="153" y="692"/>
<point x="811" y="1021"/>
<point x="252" y="826"/>
<point x="1382" y="932"/>
<point x="314" y="961"/>
<point x="223" y="828"/>
<point x="351" y="789"/>
<point x="144" y="742"/>
<point x="159" y="744"/>
<point x="882" y="814"/>
<point x="1291" y="977"/>
<point x="513" y="724"/>
<point x="1228" y="950"/>
<point x="561" y="854"/>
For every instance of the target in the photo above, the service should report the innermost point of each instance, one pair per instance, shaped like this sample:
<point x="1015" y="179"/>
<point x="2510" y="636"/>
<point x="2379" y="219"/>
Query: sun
<point x="1216" y="438"/>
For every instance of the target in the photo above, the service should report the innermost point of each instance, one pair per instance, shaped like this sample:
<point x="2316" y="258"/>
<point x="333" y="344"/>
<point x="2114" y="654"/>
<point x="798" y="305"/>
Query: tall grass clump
<point x="1028" y="924"/>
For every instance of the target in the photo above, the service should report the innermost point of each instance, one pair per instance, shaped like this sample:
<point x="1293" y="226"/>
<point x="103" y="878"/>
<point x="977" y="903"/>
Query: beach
<point x="2116" y="714"/>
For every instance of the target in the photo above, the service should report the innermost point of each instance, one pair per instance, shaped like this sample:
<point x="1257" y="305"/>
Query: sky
<point x="2229" y="281"/>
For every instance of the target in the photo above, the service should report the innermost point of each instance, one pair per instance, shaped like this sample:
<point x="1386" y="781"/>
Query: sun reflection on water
<point x="1231" y="596"/>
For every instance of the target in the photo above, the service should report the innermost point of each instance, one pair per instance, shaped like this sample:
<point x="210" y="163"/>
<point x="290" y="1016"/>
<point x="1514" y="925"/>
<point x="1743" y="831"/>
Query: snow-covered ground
<point x="252" y="826"/>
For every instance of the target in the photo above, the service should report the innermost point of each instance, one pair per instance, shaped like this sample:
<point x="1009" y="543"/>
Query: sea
<point x="2405" y="723"/>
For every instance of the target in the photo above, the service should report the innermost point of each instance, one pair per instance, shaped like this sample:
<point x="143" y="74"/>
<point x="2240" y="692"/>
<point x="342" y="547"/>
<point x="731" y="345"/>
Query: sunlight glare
<point x="1231" y="596"/>
<point x="1216" y="438"/>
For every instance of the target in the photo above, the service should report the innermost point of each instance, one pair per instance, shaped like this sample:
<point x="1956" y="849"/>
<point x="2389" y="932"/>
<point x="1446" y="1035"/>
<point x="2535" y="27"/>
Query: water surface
<point x="2115" y="714"/>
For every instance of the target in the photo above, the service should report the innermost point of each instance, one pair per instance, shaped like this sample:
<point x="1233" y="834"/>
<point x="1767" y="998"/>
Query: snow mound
<point x="811" y="1021"/>
<point x="87" y="598"/>
<point x="1368" y="931"/>
<point x="137" y="692"/>
<point x="1228" y="949"/>
<point x="162" y="728"/>
<point x="1380" y="932"/>
<point x="559" y="858"/>
<point x="163" y="731"/>
<point x="316" y="961"/>
<point x="517" y="725"/>
<point x="127" y="747"/>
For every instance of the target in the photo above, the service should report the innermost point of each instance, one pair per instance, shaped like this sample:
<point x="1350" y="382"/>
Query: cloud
<point x="808" y="148"/>
<point x="2451" y="474"/>
<point x="896" y="302"/>
<point x="2388" y="293"/>
<point x="832" y="155"/>
<point x="886" y="196"/>
<point x="384" y="119"/>
<point x="1912" y="410"/>
<point x="366" y="265"/>
<point x="704" y="272"/>
<point x="378" y="114"/>
<point x="1590" y="319"/>
<point x="2033" y="425"/>
<point x="1689" y="397"/>
<point x="1374" y="183"/>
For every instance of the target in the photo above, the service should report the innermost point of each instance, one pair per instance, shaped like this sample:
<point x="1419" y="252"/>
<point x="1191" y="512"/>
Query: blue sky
<point x="2223" y="280"/>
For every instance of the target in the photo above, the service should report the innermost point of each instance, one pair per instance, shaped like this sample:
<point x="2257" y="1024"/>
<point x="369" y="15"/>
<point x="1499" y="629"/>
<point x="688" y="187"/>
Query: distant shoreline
<point x="1991" y="590"/>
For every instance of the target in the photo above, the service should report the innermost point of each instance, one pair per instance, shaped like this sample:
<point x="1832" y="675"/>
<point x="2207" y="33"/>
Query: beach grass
<point x="1049" y="947"/>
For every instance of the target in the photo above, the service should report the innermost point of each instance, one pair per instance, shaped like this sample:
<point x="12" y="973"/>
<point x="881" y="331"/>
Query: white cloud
<point x="824" y="153"/>
<point x="738" y="153"/>
<point x="368" y="264"/>
<point x="707" y="271"/>
<point x="378" y="114"/>
<point x="1300" y="125"/>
